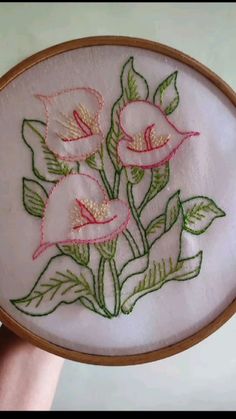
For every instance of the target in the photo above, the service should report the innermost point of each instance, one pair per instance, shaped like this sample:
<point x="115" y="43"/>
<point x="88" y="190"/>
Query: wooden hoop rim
<point x="207" y="330"/>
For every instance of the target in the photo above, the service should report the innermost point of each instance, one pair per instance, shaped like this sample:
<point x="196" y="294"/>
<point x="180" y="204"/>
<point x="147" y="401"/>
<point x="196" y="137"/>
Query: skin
<point x="28" y="375"/>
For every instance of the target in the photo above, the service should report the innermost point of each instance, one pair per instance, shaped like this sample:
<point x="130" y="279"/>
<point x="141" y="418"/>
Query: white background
<point x="203" y="377"/>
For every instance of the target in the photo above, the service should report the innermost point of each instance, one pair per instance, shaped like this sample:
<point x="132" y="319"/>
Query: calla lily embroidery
<point x="78" y="211"/>
<point x="150" y="139"/>
<point x="73" y="130"/>
<point x="111" y="252"/>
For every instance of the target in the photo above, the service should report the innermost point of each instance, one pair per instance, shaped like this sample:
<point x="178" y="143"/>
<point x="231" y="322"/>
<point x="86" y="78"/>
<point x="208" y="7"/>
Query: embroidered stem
<point x="94" y="306"/>
<point x="106" y="183"/>
<point x="136" y="216"/>
<point x="126" y="233"/>
<point x="101" y="297"/>
<point x="116" y="283"/>
<point x="116" y="184"/>
<point x="133" y="246"/>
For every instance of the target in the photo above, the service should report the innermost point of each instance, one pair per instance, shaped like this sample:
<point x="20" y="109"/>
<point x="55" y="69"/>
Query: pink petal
<point x="56" y="225"/>
<point x="135" y="117"/>
<point x="65" y="103"/>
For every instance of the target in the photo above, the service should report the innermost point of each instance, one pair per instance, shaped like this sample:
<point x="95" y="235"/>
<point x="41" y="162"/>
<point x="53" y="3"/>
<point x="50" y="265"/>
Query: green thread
<point x="158" y="97"/>
<point x="159" y="179"/>
<point x="116" y="284"/>
<point x="200" y="209"/>
<point x="33" y="202"/>
<point x="130" y="90"/>
<point x="54" y="166"/>
<point x="55" y="283"/>
<point x="136" y="216"/>
<point x="79" y="252"/>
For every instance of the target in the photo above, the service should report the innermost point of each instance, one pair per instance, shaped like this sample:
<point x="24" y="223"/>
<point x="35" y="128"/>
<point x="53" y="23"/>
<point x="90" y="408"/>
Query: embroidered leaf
<point x="34" y="197"/>
<point x="155" y="228"/>
<point x="62" y="281"/>
<point x="45" y="164"/>
<point x="199" y="213"/>
<point x="172" y="210"/>
<point x="161" y="272"/>
<point x="94" y="161"/>
<point x="133" y="87"/>
<point x="108" y="249"/>
<point x="135" y="174"/>
<point x="133" y="267"/>
<point x="79" y="252"/>
<point x="167" y="95"/>
<point x="159" y="179"/>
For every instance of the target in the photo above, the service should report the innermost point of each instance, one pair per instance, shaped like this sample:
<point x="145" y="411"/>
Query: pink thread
<point x="147" y="136"/>
<point x="43" y="246"/>
<point x="82" y="125"/>
<point x="130" y="139"/>
<point x="95" y="222"/>
<point x="97" y="117"/>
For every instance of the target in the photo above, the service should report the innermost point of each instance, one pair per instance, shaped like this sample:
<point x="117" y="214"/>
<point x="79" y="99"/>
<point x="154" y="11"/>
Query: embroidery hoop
<point x="219" y="320"/>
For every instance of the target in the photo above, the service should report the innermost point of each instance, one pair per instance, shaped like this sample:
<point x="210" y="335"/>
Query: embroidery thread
<point x="81" y="214"/>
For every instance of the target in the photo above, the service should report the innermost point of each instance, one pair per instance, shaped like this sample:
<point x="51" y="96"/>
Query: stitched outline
<point x="97" y="115"/>
<point x="128" y="138"/>
<point x="44" y="245"/>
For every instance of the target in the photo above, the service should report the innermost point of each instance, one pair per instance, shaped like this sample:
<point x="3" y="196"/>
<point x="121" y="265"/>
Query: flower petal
<point x="57" y="226"/>
<point x="135" y="118"/>
<point x="62" y="125"/>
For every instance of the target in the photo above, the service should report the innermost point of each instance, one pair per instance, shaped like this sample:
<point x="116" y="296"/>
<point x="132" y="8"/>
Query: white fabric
<point x="204" y="166"/>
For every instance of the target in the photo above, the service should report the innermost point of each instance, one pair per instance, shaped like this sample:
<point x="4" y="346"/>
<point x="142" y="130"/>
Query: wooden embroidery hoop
<point x="219" y="320"/>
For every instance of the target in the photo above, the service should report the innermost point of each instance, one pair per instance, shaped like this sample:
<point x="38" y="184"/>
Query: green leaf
<point x="164" y="256"/>
<point x="133" y="267"/>
<point x="159" y="179"/>
<point x="159" y="274"/>
<point x="45" y="164"/>
<point x="34" y="197"/>
<point x="79" y="252"/>
<point x="172" y="210"/>
<point x="133" y="87"/>
<point x="135" y="174"/>
<point x="95" y="161"/>
<point x="167" y="95"/>
<point x="156" y="228"/>
<point x="107" y="249"/>
<point x="62" y="281"/>
<point x="199" y="213"/>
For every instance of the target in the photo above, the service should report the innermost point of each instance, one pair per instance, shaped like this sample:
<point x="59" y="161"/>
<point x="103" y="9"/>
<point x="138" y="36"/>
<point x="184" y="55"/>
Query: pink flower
<point x="150" y="139"/>
<point x="79" y="211"/>
<point x="73" y="131"/>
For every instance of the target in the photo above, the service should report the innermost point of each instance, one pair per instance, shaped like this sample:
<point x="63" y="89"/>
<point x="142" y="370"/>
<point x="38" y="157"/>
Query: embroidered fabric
<point x="133" y="218"/>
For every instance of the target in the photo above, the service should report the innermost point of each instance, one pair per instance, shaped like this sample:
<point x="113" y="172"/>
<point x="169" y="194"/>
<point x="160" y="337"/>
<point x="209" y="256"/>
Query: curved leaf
<point x="172" y="210"/>
<point x="133" y="87"/>
<point x="167" y="95"/>
<point x="135" y="174"/>
<point x="34" y="197"/>
<point x="199" y="213"/>
<point x="62" y="281"/>
<point x="159" y="179"/>
<point x="79" y="252"/>
<point x="45" y="164"/>
<point x="107" y="249"/>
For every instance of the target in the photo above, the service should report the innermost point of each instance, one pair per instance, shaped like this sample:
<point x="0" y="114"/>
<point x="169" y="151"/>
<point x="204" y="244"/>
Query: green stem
<point x="101" y="296"/>
<point x="116" y="283"/>
<point x="106" y="183"/>
<point x="136" y="216"/>
<point x="145" y="199"/>
<point x="94" y="306"/>
<point x="116" y="184"/>
<point x="133" y="246"/>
